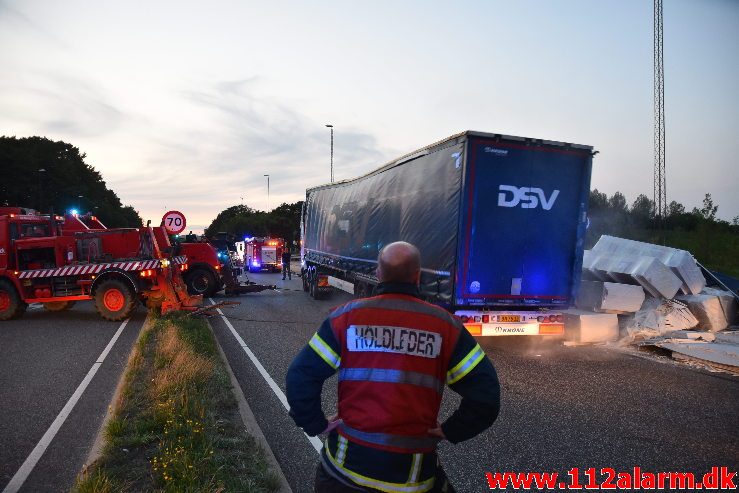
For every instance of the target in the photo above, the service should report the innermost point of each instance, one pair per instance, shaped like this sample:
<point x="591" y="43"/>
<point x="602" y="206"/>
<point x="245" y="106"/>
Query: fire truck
<point x="57" y="261"/>
<point x="264" y="254"/>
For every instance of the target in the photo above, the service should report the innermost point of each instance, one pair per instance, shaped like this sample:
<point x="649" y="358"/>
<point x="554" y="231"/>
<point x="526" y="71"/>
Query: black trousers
<point x="325" y="483"/>
<point x="286" y="270"/>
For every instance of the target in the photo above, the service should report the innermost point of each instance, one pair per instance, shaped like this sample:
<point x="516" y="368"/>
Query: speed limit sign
<point x="174" y="222"/>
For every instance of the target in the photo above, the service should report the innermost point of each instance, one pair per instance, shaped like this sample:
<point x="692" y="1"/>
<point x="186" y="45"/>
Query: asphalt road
<point x="563" y="407"/>
<point x="44" y="357"/>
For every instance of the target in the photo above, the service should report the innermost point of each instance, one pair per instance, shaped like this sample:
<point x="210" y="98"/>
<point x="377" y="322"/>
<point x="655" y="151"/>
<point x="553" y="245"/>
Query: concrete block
<point x="707" y="309"/>
<point x="587" y="327"/>
<point x="728" y="304"/>
<point x="591" y="272"/>
<point x="680" y="262"/>
<point x="609" y="297"/>
<point x="648" y="272"/>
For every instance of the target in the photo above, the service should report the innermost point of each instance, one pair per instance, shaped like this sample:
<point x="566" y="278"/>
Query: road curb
<point x="99" y="444"/>
<point x="250" y="422"/>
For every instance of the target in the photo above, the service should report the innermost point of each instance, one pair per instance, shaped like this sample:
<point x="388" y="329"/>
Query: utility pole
<point x="267" y="192"/>
<point x="41" y="172"/>
<point x="660" y="175"/>
<point x="332" y="151"/>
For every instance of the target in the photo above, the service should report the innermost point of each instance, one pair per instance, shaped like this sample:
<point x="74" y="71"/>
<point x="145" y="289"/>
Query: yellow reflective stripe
<point x="465" y="366"/>
<point x="415" y="468"/>
<point x="380" y="485"/>
<point x="324" y="351"/>
<point x="341" y="450"/>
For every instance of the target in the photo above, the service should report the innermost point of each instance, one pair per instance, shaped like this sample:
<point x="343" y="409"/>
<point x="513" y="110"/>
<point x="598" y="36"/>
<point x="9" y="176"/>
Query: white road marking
<point x="25" y="470"/>
<point x="272" y="384"/>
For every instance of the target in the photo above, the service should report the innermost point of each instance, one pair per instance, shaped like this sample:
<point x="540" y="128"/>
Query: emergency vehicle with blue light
<point x="264" y="254"/>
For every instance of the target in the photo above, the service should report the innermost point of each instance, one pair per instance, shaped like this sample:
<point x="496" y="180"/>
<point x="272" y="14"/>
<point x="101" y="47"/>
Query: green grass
<point x="177" y="426"/>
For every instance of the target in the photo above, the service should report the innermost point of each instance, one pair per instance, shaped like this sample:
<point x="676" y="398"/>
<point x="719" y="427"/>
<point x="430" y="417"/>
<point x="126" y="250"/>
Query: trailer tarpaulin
<point x="415" y="201"/>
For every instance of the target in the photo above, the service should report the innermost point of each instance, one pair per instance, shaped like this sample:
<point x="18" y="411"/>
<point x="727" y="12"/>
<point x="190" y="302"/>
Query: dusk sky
<point x="186" y="105"/>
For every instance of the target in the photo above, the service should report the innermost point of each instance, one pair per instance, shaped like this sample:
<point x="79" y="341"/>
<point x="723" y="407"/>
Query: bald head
<point x="399" y="262"/>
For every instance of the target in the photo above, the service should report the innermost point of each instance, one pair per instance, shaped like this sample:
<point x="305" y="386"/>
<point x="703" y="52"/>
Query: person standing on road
<point x="286" y="263"/>
<point x="394" y="353"/>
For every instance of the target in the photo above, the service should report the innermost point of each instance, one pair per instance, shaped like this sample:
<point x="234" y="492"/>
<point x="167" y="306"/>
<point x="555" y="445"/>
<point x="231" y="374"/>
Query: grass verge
<point x="176" y="426"/>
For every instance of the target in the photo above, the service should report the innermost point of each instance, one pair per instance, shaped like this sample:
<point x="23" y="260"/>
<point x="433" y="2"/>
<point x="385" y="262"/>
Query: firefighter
<point x="286" y="263"/>
<point x="394" y="353"/>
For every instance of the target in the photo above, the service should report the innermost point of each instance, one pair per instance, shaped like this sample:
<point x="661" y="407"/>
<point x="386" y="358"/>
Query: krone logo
<point x="528" y="197"/>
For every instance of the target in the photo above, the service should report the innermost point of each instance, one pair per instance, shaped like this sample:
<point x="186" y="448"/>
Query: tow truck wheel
<point x="114" y="300"/>
<point x="315" y="292"/>
<point x="58" y="306"/>
<point x="201" y="281"/>
<point x="11" y="304"/>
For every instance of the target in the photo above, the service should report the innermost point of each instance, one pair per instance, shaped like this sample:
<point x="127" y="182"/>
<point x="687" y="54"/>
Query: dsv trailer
<point x="499" y="221"/>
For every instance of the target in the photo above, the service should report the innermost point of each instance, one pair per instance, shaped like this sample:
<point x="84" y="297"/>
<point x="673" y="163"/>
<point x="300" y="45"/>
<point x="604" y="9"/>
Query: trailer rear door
<point x="523" y="219"/>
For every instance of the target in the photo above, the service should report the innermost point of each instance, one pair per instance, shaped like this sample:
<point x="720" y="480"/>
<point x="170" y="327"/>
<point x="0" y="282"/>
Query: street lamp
<point x="41" y="172"/>
<point x="267" y="192"/>
<point x="332" y="150"/>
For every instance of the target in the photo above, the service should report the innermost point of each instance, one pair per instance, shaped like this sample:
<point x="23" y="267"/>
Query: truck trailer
<point x="499" y="220"/>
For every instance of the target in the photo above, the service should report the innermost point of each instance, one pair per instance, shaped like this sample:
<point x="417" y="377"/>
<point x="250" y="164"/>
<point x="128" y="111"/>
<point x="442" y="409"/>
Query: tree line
<point x="41" y="174"/>
<point x="713" y="241"/>
<point x="243" y="221"/>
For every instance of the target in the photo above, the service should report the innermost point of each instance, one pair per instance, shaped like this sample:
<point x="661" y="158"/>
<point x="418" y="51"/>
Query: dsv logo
<point x="529" y="198"/>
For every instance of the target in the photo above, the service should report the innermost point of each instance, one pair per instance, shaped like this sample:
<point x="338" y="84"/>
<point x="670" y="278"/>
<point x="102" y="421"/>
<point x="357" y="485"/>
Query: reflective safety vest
<point x="393" y="365"/>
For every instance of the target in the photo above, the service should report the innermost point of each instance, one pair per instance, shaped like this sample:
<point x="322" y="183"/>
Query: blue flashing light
<point x="74" y="212"/>
<point x="255" y="264"/>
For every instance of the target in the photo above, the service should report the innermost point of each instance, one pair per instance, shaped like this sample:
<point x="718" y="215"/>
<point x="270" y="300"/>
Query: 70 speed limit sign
<point x="174" y="222"/>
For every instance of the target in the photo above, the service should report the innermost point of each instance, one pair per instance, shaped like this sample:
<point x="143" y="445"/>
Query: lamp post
<point x="79" y="203"/>
<point x="41" y="172"/>
<point x="332" y="150"/>
<point x="267" y="192"/>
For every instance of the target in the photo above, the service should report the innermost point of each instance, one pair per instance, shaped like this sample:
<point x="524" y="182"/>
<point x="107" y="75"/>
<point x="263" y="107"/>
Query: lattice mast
<point x="660" y="180"/>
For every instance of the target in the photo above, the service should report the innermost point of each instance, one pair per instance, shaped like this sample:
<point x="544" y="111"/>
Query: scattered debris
<point x="630" y="289"/>
<point x="657" y="317"/>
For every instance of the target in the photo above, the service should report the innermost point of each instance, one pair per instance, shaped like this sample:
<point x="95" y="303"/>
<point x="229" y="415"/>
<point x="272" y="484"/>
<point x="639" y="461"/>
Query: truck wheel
<point x="201" y="281"/>
<point x="11" y="304"/>
<point x="58" y="306"/>
<point x="315" y="292"/>
<point x="304" y="277"/>
<point x="114" y="300"/>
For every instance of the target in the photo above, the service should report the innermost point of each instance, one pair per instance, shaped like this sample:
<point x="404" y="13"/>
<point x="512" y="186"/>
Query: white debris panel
<point x="680" y="262"/>
<point x="721" y="355"/>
